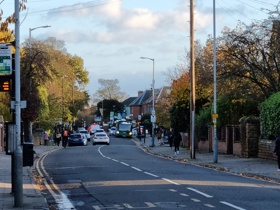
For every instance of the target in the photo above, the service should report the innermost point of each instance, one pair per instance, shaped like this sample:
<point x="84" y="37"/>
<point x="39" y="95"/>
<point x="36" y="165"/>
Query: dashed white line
<point x="231" y="205"/>
<point x="195" y="200"/>
<point x="168" y="180"/>
<point x="137" y="169"/>
<point x="151" y="174"/>
<point x="124" y="164"/>
<point x="172" y="190"/>
<point x="209" y="205"/>
<point x="183" y="194"/>
<point x="199" y="192"/>
<point x="115" y="160"/>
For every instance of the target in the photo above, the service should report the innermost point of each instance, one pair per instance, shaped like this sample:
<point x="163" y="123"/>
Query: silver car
<point x="87" y="134"/>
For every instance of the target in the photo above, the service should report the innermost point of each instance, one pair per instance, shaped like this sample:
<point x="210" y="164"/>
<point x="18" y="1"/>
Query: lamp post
<point x="32" y="29"/>
<point x="153" y="111"/>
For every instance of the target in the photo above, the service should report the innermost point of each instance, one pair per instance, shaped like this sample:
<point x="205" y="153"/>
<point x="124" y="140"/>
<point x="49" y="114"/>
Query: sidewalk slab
<point x="32" y="196"/>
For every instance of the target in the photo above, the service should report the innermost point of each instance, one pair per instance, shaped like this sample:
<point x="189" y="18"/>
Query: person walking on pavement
<point x="57" y="137"/>
<point x="46" y="138"/>
<point x="159" y="135"/>
<point x="277" y="151"/>
<point x="170" y="137"/>
<point x="177" y="139"/>
<point x="64" y="137"/>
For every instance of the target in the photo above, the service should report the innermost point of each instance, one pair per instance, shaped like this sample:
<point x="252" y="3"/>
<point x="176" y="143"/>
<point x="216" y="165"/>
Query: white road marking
<point x="150" y="205"/>
<point x="168" y="180"/>
<point x="61" y="199"/>
<point x="195" y="200"/>
<point x="124" y="164"/>
<point x="137" y="169"/>
<point x="151" y="174"/>
<point x="231" y="205"/>
<point x="172" y="190"/>
<point x="209" y="205"/>
<point x="199" y="192"/>
<point x="115" y="160"/>
<point x="183" y="194"/>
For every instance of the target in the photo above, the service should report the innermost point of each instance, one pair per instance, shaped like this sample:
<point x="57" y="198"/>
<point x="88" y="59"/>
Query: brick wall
<point x="266" y="148"/>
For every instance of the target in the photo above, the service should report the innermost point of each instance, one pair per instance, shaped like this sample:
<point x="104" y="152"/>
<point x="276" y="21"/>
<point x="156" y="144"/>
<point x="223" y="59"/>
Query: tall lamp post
<point x="153" y="116"/>
<point x="30" y="30"/>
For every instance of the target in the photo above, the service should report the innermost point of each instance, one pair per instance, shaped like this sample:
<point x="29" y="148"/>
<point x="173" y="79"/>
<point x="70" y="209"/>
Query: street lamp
<point x="153" y="111"/>
<point x="32" y="29"/>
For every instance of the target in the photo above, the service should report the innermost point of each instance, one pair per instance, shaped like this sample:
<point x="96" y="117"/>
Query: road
<point x="122" y="176"/>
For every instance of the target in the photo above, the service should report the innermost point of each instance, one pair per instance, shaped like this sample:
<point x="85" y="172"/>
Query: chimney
<point x="140" y="92"/>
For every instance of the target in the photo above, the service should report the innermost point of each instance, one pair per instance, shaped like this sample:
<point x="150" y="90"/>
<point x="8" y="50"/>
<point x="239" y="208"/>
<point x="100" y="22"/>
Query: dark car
<point x="77" y="139"/>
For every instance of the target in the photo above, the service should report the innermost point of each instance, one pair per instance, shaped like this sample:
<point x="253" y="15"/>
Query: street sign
<point x="153" y="118"/>
<point x="5" y="60"/>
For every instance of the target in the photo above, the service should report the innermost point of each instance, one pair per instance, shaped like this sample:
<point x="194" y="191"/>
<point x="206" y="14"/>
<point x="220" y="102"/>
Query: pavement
<point x="33" y="198"/>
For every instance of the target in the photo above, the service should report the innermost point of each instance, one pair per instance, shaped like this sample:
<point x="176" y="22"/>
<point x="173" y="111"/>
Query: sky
<point x="111" y="35"/>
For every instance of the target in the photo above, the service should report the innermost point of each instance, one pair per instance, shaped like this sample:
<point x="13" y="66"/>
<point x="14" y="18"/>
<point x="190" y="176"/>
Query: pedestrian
<point x="277" y="151"/>
<point x="177" y="139"/>
<point x="170" y="137"/>
<point x="46" y="138"/>
<point x="64" y="137"/>
<point x="57" y="137"/>
<point x="159" y="135"/>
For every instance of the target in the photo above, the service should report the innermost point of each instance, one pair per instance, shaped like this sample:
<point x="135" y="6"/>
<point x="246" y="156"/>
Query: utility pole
<point x="192" y="83"/>
<point x="215" y="115"/>
<point x="18" y="164"/>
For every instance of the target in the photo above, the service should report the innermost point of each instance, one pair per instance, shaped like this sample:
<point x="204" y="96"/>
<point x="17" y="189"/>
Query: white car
<point x="100" y="137"/>
<point x="100" y="130"/>
<point x="87" y="134"/>
<point x="112" y="130"/>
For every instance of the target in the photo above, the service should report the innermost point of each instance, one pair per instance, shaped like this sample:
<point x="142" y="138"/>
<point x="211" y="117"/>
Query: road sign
<point x="153" y="118"/>
<point x="5" y="60"/>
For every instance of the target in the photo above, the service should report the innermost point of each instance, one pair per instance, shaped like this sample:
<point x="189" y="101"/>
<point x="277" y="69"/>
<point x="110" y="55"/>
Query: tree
<point x="53" y="83"/>
<point x="110" y="90"/>
<point x="251" y="54"/>
<point x="10" y="19"/>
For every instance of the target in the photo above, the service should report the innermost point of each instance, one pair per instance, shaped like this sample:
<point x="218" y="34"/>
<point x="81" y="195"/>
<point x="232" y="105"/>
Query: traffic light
<point x="5" y="84"/>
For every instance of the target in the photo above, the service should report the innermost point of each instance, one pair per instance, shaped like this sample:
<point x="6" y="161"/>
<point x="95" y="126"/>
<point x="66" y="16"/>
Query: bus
<point x="123" y="129"/>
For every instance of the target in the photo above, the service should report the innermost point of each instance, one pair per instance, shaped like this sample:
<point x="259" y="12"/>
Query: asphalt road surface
<point x="122" y="176"/>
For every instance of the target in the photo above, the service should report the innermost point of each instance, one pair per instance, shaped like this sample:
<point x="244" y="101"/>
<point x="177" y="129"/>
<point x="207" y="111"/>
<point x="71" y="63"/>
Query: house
<point x="143" y="103"/>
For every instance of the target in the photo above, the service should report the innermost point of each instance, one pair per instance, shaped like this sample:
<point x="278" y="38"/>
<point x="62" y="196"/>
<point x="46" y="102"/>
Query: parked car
<point x="77" y="139"/>
<point x="86" y="133"/>
<point x="112" y="131"/>
<point x="100" y="137"/>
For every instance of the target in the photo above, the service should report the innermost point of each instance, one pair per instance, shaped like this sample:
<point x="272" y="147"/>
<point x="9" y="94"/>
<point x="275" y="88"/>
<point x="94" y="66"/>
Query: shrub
<point x="270" y="115"/>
